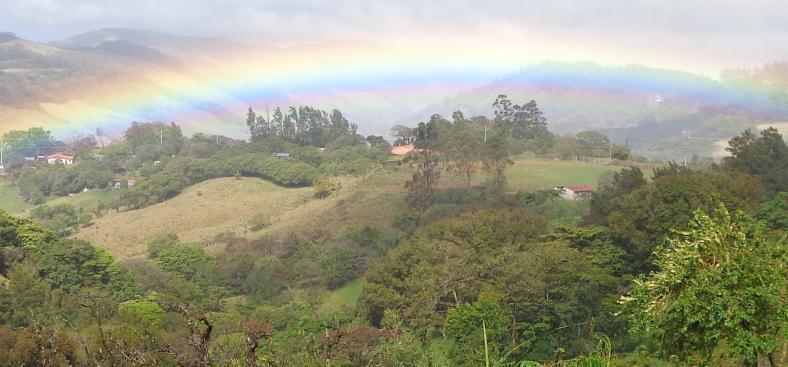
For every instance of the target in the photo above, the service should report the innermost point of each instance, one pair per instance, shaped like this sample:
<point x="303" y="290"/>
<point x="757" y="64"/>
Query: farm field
<point x="530" y="174"/>
<point x="535" y="174"/>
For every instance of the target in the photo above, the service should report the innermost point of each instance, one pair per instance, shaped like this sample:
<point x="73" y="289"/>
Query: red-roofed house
<point x="117" y="183"/>
<point x="60" y="158"/>
<point x="402" y="149"/>
<point x="574" y="192"/>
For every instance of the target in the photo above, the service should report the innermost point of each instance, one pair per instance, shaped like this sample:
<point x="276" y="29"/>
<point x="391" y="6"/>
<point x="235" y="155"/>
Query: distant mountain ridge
<point x="646" y="107"/>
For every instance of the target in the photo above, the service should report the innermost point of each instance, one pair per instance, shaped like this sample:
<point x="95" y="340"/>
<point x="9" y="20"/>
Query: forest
<point x="682" y="265"/>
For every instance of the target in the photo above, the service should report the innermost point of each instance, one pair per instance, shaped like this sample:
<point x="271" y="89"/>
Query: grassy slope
<point x="344" y="298"/>
<point x="369" y="201"/>
<point x="196" y="215"/>
<point x="10" y="200"/>
<point x="227" y="205"/>
<point x="84" y="200"/>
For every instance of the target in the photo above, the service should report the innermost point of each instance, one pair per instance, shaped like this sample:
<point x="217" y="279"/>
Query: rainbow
<point x="374" y="84"/>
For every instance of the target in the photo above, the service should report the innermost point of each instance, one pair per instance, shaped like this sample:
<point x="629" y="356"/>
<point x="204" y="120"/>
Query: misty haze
<point x="386" y="183"/>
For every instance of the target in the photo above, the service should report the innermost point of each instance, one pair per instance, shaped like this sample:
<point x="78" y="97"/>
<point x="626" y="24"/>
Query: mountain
<point x="106" y="79"/>
<point x="110" y="77"/>
<point x="113" y="76"/>
<point x="646" y="108"/>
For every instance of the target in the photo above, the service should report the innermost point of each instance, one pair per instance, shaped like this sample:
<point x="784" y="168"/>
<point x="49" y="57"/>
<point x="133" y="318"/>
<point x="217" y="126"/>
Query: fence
<point x="604" y="161"/>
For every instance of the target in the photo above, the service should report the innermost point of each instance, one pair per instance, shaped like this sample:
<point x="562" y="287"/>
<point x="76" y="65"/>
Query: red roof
<point x="61" y="156"/>
<point x="402" y="149"/>
<point x="579" y="188"/>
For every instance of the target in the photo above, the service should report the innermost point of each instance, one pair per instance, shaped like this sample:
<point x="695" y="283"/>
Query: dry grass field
<point x="225" y="205"/>
<point x="196" y="215"/>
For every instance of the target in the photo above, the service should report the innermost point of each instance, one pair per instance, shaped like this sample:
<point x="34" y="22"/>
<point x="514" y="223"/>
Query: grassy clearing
<point x="86" y="201"/>
<point x="344" y="298"/>
<point x="10" y="200"/>
<point x="531" y="174"/>
<point x="196" y="215"/>
<point x="535" y="174"/>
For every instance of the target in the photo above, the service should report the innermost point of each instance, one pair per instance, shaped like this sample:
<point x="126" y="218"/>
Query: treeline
<point x="303" y="125"/>
<point x="163" y="162"/>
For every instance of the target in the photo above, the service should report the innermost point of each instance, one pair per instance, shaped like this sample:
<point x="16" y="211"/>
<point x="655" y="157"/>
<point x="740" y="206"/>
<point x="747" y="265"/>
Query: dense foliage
<point x="686" y="266"/>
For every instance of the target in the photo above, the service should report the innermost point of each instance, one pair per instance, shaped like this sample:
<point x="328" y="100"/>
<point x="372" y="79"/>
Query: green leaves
<point x="720" y="280"/>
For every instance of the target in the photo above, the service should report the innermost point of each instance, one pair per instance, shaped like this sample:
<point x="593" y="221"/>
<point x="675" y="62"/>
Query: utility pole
<point x="684" y="134"/>
<point x="217" y="139"/>
<point x="611" y="146"/>
<point x="485" y="131"/>
<point x="2" y="145"/>
<point x="161" y="136"/>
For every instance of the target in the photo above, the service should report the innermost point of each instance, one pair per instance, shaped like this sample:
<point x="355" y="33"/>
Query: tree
<point x="251" y="122"/>
<point x="765" y="156"/>
<point x="720" y="281"/>
<point x="402" y="135"/>
<point x="775" y="212"/>
<point x="462" y="155"/>
<point x="421" y="187"/>
<point x="470" y="324"/>
<point x="521" y="121"/>
<point x="640" y="220"/>
<point x="495" y="159"/>
<point x="611" y="186"/>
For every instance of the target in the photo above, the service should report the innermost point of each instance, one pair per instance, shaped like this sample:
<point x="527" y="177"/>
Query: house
<point x="282" y="155"/>
<point x="117" y="184"/>
<point x="60" y="158"/>
<point x="575" y="192"/>
<point x="402" y="149"/>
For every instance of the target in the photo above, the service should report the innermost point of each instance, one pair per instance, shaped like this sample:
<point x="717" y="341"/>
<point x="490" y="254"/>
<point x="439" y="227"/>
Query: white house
<point x="574" y="192"/>
<point x="60" y="158"/>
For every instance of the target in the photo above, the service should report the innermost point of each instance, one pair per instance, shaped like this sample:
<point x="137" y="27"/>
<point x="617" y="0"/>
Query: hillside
<point x="10" y="200"/>
<point x="198" y="214"/>
<point x="224" y="205"/>
<point x="227" y="205"/>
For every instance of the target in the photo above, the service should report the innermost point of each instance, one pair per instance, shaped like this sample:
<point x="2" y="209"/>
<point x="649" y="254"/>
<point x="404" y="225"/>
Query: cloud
<point x="705" y="29"/>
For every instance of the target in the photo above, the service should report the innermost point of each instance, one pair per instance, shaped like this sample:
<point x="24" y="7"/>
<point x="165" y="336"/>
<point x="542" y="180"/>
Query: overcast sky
<point x="697" y="35"/>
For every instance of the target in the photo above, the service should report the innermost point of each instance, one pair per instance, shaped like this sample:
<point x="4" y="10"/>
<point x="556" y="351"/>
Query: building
<point x="402" y="149"/>
<point x="117" y="183"/>
<point x="282" y="155"/>
<point x="62" y="158"/>
<point x="575" y="192"/>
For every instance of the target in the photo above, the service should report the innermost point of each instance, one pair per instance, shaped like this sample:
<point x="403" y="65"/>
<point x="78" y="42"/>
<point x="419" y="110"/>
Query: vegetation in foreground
<point x="685" y="268"/>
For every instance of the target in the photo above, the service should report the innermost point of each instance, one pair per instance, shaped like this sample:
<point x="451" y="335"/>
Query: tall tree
<point x="421" y="187"/>
<point x="495" y="159"/>
<point x="463" y="155"/>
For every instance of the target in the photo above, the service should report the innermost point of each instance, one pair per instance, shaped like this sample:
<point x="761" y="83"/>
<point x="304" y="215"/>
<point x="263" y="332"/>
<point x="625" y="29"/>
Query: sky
<point x="700" y="36"/>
